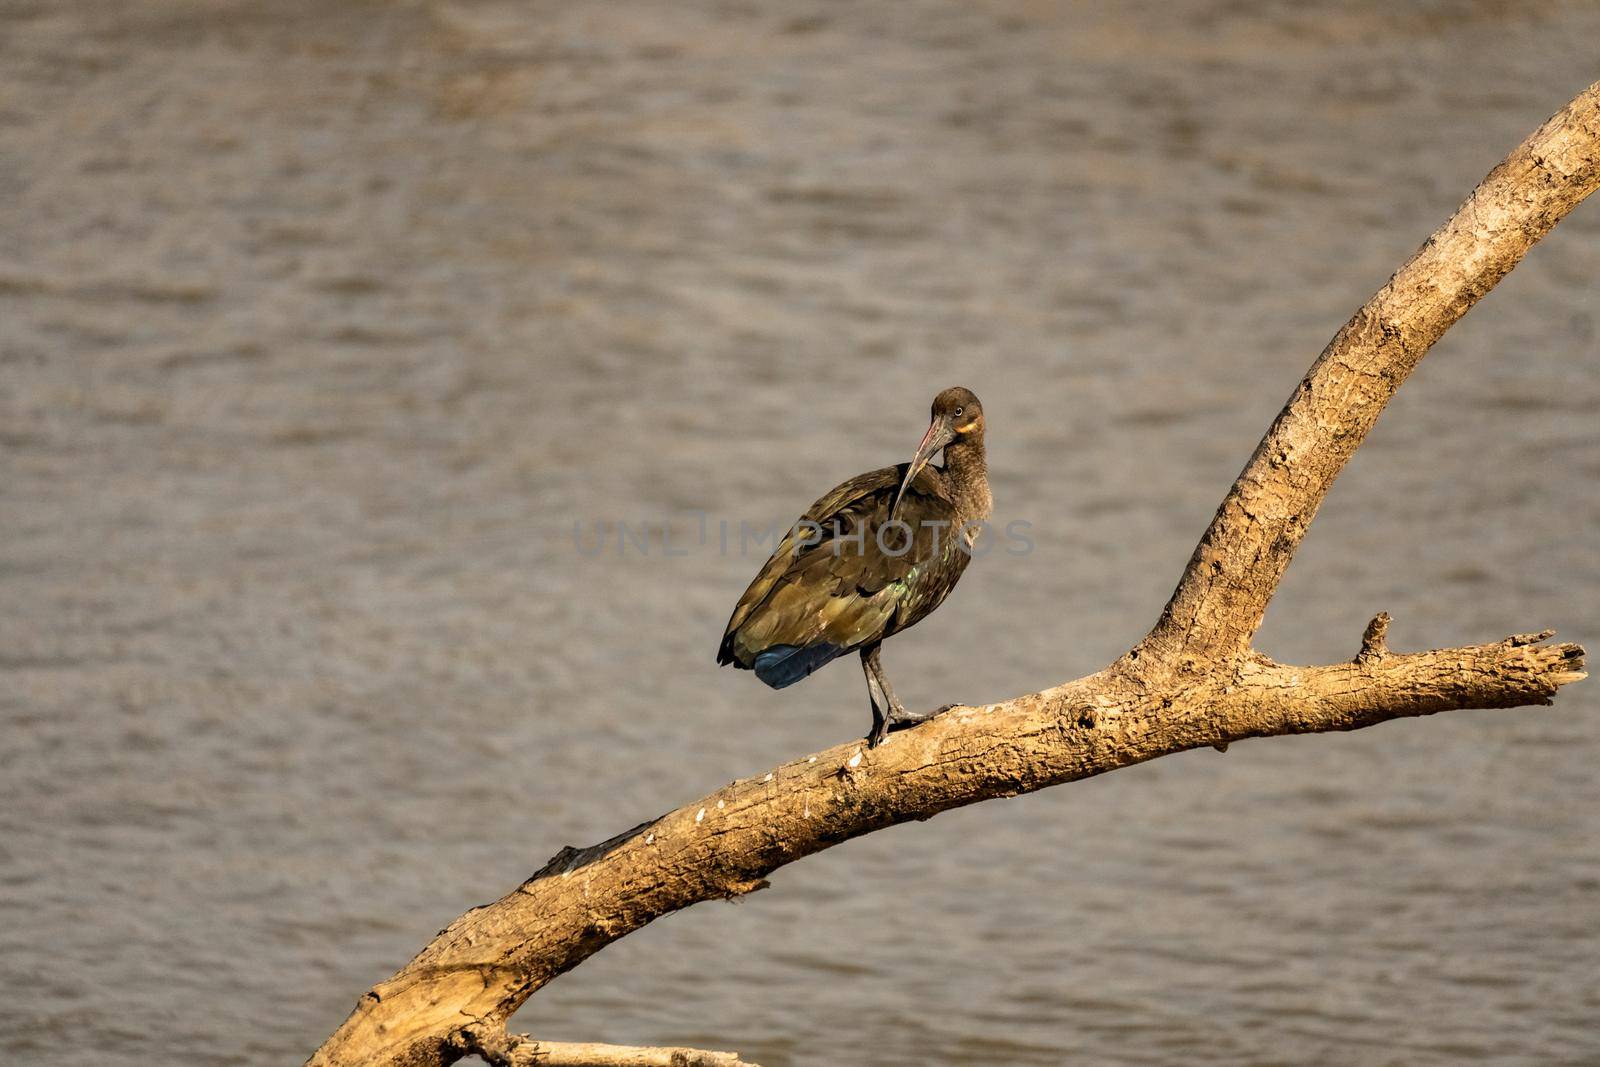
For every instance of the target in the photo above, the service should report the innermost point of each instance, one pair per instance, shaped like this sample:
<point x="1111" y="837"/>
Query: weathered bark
<point x="1193" y="681"/>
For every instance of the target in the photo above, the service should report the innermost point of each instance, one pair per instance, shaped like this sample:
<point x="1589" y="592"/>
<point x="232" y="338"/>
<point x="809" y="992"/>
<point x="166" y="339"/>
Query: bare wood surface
<point x="502" y="1049"/>
<point x="1193" y="681"/>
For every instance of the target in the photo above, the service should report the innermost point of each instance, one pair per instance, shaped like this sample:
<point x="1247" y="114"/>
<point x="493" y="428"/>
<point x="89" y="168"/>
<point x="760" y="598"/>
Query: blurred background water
<point x="322" y="324"/>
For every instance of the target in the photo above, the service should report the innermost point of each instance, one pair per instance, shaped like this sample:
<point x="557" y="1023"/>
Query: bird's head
<point x="960" y="410"/>
<point x="957" y="415"/>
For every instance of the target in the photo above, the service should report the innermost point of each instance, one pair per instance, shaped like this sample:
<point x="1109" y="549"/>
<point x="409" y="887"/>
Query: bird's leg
<point x="897" y="711"/>
<point x="887" y="711"/>
<point x="880" y="706"/>
<point x="899" y="716"/>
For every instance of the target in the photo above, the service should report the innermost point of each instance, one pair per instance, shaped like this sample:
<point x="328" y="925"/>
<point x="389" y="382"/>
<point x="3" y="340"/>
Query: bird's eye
<point x="958" y="413"/>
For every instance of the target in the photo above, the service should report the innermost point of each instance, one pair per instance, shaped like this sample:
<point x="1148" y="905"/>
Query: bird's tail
<point x="784" y="665"/>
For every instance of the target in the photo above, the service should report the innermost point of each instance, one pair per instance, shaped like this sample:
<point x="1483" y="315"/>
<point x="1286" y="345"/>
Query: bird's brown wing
<point x="839" y="586"/>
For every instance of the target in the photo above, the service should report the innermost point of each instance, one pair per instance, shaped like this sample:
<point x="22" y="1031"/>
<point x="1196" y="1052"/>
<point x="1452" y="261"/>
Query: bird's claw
<point x="880" y="730"/>
<point x="901" y="718"/>
<point x="905" y="720"/>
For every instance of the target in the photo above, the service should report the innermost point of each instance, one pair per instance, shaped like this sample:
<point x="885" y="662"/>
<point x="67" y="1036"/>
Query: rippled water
<point x="321" y="324"/>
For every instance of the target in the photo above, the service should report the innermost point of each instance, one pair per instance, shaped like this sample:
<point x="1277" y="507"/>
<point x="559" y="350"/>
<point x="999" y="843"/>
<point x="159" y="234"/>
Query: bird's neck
<point x="967" y="473"/>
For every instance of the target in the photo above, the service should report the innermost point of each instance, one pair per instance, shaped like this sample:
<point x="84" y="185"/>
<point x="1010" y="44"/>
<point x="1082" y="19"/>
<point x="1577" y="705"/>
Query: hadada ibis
<point x="872" y="557"/>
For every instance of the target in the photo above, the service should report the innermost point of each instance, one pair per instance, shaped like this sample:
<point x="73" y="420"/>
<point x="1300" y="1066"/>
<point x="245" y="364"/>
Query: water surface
<point x="320" y="325"/>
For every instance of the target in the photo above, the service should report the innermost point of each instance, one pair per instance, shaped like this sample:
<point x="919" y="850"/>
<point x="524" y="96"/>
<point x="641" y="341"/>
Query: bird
<point x="873" y="556"/>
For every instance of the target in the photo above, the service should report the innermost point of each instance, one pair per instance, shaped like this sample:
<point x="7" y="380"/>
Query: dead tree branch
<point x="501" y="1049"/>
<point x="1193" y="681"/>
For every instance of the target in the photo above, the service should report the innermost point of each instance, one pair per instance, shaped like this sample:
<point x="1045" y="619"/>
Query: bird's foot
<point x="880" y="730"/>
<point x="904" y="719"/>
<point x="897" y="719"/>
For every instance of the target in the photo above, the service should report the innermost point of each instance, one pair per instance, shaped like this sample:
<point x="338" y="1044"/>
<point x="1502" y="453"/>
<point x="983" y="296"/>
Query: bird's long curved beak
<point x="939" y="434"/>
